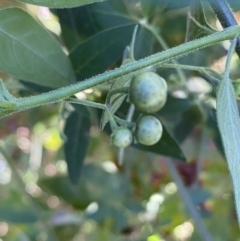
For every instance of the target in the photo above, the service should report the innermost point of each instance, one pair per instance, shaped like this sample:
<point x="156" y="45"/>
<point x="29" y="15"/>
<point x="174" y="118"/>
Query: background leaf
<point x="13" y="215"/>
<point x="190" y="119"/>
<point x="110" y="14"/>
<point x="75" y="24"/>
<point x="144" y="43"/>
<point x="167" y="146"/>
<point x="229" y="127"/>
<point x="30" y="53"/>
<point x="199" y="195"/>
<point x="150" y="7"/>
<point x="100" y="51"/>
<point x="59" y="3"/>
<point x="96" y="185"/>
<point x="60" y="186"/>
<point x="77" y="133"/>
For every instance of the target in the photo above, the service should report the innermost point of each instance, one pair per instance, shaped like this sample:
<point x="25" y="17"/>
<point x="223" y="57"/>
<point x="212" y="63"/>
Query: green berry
<point x="122" y="137"/>
<point x="148" y="92"/>
<point x="148" y="130"/>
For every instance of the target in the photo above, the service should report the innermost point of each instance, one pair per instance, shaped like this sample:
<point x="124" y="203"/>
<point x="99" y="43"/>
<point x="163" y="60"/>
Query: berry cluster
<point x="148" y="93"/>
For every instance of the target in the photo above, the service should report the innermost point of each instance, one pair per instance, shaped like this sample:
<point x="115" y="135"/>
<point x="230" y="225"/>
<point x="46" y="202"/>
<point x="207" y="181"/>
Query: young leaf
<point x="197" y="25"/>
<point x="77" y="139"/>
<point x="117" y="99"/>
<point x="229" y="126"/>
<point x="30" y="53"/>
<point x="100" y="51"/>
<point x="59" y="3"/>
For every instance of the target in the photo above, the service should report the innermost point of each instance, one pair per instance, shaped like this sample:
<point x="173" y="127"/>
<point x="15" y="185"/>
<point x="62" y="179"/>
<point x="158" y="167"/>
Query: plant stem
<point x="188" y="201"/>
<point x="44" y="224"/>
<point x="100" y="106"/>
<point x="176" y="52"/>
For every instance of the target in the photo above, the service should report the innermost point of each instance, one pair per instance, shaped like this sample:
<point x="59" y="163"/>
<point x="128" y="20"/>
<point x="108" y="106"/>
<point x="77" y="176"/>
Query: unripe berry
<point x="148" y="92"/>
<point x="148" y="130"/>
<point x="122" y="137"/>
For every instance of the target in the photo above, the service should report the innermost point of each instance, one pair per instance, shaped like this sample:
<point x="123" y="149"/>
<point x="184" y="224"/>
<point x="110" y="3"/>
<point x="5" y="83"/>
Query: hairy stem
<point x="176" y="52"/>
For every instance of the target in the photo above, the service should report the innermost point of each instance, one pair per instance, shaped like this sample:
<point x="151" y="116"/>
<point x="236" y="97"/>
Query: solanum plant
<point x="128" y="60"/>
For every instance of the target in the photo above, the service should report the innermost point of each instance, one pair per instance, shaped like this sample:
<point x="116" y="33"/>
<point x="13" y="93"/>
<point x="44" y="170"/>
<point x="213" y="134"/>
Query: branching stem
<point x="162" y="57"/>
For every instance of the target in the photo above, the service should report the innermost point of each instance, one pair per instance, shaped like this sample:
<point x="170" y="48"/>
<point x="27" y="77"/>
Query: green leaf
<point x="173" y="4"/>
<point x="77" y="196"/>
<point x="13" y="215"/>
<point x="174" y="107"/>
<point x="144" y="44"/>
<point x="96" y="185"/>
<point x="150" y="7"/>
<point x="100" y="51"/>
<point x="59" y="3"/>
<point x="30" y="53"/>
<point x="77" y="133"/>
<point x="105" y="187"/>
<point x="229" y="127"/>
<point x="76" y="25"/>
<point x="110" y="14"/>
<point x="197" y="25"/>
<point x="190" y="119"/>
<point x="167" y="146"/>
<point x="214" y="131"/>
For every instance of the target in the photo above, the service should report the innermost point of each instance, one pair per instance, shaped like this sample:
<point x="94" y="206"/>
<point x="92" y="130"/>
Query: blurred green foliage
<point x="53" y="146"/>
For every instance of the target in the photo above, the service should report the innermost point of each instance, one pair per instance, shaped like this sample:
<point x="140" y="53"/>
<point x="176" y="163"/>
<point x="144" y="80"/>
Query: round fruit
<point x="148" y="130"/>
<point x="122" y="137"/>
<point x="148" y="92"/>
